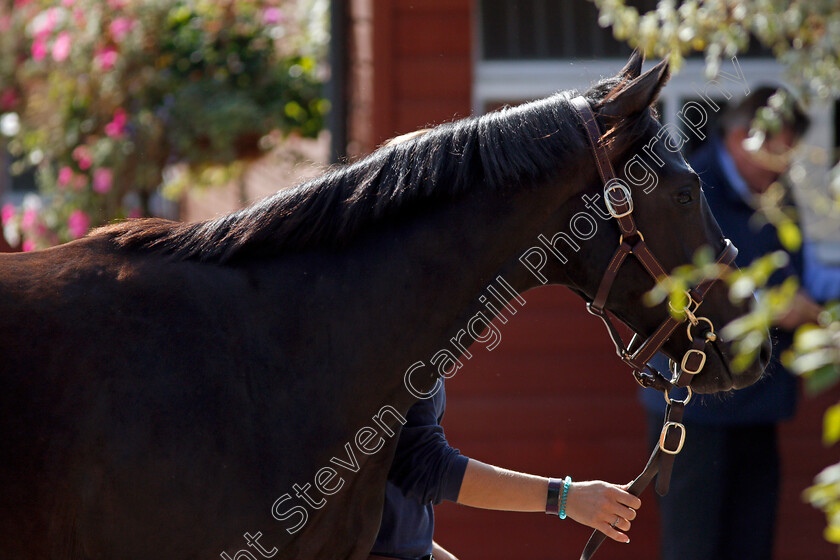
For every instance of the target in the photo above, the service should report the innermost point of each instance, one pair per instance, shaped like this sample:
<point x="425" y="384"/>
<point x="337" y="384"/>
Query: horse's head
<point x="655" y="218"/>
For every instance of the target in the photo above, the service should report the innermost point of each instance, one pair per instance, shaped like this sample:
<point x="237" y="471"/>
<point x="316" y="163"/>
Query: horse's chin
<point x="717" y="374"/>
<point x="712" y="381"/>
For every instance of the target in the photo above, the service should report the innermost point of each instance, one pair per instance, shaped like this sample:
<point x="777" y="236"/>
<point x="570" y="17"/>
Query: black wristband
<point x="552" y="501"/>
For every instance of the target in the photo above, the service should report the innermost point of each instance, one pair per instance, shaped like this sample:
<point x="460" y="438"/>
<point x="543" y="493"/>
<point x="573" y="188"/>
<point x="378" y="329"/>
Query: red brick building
<point x="553" y="398"/>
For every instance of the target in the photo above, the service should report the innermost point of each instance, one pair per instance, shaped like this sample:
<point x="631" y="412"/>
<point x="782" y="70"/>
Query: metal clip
<point x="689" y="309"/>
<point x="669" y="400"/>
<point x="639" y="377"/>
<point x="664" y="434"/>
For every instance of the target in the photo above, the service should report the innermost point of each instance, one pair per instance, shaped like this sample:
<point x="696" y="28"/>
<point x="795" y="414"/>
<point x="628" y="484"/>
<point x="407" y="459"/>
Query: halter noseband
<point x="619" y="203"/>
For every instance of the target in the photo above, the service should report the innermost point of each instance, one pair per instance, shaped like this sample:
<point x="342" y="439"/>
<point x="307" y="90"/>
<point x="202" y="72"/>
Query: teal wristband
<point x="566" y="483"/>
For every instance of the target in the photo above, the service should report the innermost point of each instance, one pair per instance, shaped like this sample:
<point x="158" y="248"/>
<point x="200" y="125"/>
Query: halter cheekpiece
<point x="619" y="202"/>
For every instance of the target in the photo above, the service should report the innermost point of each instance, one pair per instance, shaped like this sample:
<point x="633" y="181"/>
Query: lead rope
<point x="661" y="461"/>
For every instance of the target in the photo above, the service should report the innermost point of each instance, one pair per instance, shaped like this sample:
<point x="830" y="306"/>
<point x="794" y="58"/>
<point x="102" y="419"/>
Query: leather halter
<point x="636" y="354"/>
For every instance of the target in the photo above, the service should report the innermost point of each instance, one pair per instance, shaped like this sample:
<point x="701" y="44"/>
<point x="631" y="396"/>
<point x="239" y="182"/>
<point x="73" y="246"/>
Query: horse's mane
<point x="513" y="146"/>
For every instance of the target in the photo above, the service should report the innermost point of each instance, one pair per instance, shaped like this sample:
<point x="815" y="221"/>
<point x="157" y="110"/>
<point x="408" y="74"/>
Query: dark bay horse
<point x="233" y="387"/>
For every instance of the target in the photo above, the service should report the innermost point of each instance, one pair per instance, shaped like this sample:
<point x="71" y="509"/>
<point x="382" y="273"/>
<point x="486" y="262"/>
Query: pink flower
<point x="28" y="245"/>
<point x="116" y="127"/>
<point x="106" y="58"/>
<point x="67" y="3"/>
<point x="83" y="157"/>
<point x="117" y="4"/>
<point x="135" y="213"/>
<point x="61" y="47"/>
<point x="39" y="48"/>
<point x="272" y="16"/>
<point x="119" y="28"/>
<point x="29" y="219"/>
<point x="8" y="213"/>
<point x="102" y="180"/>
<point x="65" y="175"/>
<point x="44" y="23"/>
<point x="78" y="223"/>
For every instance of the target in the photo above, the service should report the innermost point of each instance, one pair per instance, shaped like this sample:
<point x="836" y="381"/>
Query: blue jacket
<point x="773" y="397"/>
<point x="425" y="471"/>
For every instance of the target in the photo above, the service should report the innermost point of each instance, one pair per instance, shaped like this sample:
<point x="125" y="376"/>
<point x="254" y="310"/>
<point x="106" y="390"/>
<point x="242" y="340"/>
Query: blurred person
<point x="725" y="485"/>
<point x="426" y="470"/>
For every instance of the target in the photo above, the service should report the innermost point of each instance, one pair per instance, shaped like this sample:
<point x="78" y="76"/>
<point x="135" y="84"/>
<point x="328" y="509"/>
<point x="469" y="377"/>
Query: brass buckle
<point x="612" y="185"/>
<point x="685" y="359"/>
<point x="664" y="434"/>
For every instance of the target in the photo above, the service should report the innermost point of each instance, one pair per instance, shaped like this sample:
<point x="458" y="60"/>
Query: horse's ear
<point x="637" y="95"/>
<point x="633" y="67"/>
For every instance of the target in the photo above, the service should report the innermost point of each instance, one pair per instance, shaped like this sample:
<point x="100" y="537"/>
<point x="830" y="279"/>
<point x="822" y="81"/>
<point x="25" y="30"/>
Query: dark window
<point x="552" y="29"/>
<point x="546" y="29"/>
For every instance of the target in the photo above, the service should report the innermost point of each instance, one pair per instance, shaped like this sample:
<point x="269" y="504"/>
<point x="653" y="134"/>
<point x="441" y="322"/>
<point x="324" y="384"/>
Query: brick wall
<point x="410" y="66"/>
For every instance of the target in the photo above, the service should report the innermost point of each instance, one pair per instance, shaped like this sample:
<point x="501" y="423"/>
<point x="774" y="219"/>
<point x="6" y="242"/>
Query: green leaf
<point x="831" y="425"/>
<point x="832" y="534"/>
<point x="790" y="236"/>
<point x="822" y="379"/>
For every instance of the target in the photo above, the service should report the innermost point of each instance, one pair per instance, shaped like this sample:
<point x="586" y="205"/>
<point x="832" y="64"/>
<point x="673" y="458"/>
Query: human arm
<point x="425" y="467"/>
<point x="595" y="503"/>
<point x="802" y="310"/>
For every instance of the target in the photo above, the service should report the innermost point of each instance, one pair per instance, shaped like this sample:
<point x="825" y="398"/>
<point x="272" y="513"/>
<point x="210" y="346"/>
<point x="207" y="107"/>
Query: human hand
<point x="606" y="507"/>
<point x="441" y="553"/>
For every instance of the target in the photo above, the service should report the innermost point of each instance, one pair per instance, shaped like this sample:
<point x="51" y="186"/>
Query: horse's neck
<point x="428" y="273"/>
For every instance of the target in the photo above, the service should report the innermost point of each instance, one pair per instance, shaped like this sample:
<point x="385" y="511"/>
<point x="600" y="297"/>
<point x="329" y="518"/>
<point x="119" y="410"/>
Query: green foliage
<point x="816" y="351"/>
<point x="831" y="425"/>
<point x="825" y="495"/>
<point x="107" y="93"/>
<point x="804" y="36"/>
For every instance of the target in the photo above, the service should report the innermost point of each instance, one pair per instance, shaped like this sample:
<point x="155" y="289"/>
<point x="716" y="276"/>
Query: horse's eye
<point x="684" y="197"/>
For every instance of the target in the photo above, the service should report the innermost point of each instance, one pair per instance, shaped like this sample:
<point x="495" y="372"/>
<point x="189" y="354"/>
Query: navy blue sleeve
<point x="425" y="467"/>
<point x="822" y="281"/>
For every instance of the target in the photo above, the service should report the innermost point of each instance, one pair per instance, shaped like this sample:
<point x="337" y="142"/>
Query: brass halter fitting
<point x="710" y="335"/>
<point x="664" y="434"/>
<point x="687" y="356"/>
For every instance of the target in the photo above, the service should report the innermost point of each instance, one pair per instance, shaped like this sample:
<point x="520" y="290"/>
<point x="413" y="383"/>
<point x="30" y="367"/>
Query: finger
<point x="613" y="533"/>
<point x="620" y="523"/>
<point x="629" y="500"/>
<point x="625" y="512"/>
